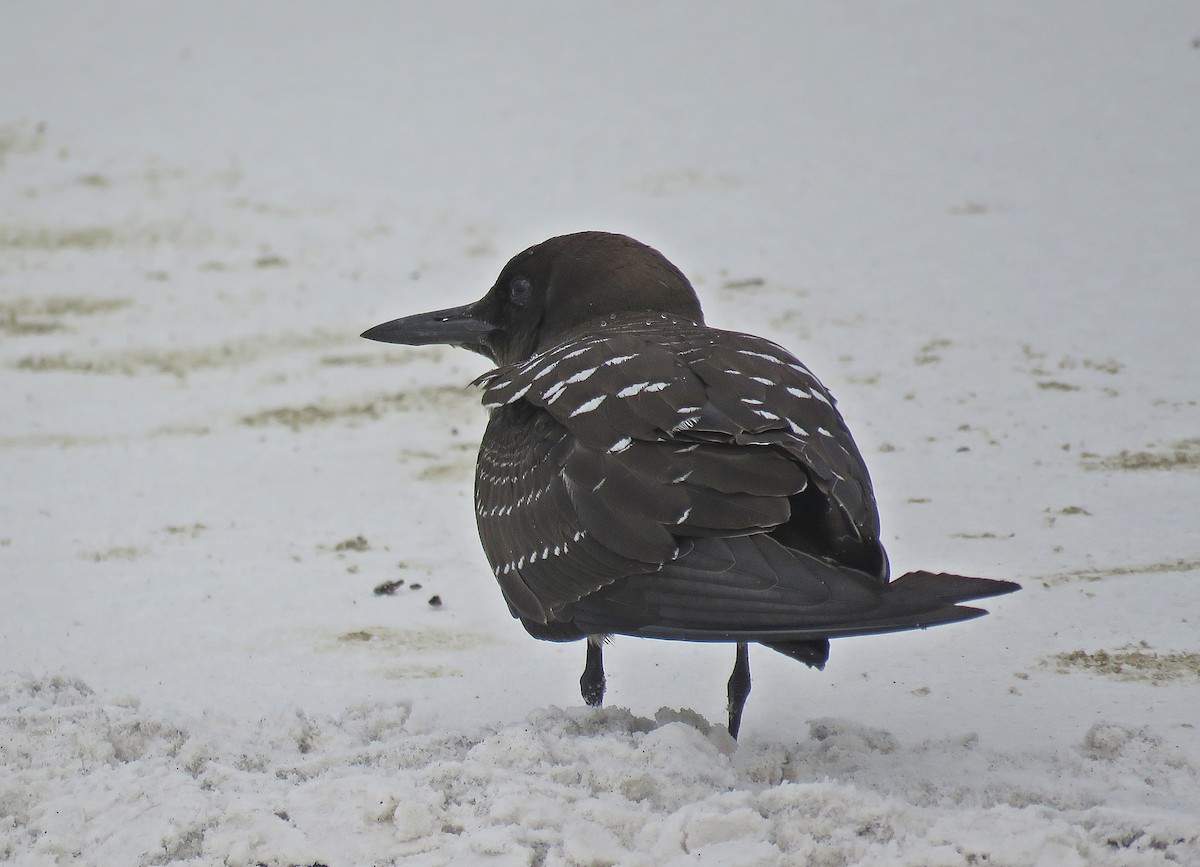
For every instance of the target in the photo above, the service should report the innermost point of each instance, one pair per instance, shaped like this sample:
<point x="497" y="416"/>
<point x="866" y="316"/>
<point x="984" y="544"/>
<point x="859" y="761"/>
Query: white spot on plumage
<point x="598" y="485"/>
<point x="581" y="376"/>
<point x="770" y="416"/>
<point x="588" y="406"/>
<point x="620" y="445"/>
<point x="682" y="478"/>
<point x="764" y="356"/>
<point x="684" y="516"/>
<point x="752" y="401"/>
<point x="683" y="450"/>
<point x="763" y="380"/>
<point x="686" y="409"/>
<point x="820" y="397"/>
<point x="553" y="392"/>
<point x="638" y="387"/>
<point x="801" y="393"/>
<point x="618" y="360"/>
<point x="519" y="393"/>
<point x="824" y="432"/>
<point x="545" y="370"/>
<point x="796" y="429"/>
<point x="576" y="352"/>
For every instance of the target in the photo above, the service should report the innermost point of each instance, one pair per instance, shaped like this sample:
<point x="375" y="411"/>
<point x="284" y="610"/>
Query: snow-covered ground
<point x="979" y="223"/>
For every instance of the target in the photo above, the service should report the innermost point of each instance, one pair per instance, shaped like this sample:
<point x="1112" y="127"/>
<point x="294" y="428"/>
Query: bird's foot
<point x="739" y="688"/>
<point x="591" y="684"/>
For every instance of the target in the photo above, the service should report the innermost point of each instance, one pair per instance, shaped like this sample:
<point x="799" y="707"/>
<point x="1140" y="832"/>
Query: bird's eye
<point x="519" y="290"/>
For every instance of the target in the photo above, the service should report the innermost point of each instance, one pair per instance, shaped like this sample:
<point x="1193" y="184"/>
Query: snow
<point x="976" y="223"/>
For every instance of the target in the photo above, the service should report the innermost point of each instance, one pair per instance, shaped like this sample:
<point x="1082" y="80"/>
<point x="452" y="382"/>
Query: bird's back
<point x="640" y="445"/>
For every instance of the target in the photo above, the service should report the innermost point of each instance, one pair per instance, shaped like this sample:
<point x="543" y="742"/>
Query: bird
<point x="644" y="474"/>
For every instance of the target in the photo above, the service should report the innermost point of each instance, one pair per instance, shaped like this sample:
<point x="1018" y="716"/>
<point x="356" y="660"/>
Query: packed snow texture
<point x="245" y="617"/>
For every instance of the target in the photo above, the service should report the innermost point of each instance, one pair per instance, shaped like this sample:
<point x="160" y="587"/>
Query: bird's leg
<point x="739" y="688"/>
<point x="591" y="684"/>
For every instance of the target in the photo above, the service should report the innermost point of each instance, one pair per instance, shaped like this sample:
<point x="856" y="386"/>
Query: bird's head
<point x="551" y="292"/>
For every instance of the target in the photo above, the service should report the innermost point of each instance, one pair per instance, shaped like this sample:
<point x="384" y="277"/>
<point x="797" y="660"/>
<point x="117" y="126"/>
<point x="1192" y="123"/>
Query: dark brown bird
<point x="643" y="474"/>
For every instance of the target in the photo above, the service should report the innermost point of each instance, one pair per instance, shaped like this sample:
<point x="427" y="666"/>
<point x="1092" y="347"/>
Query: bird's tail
<point x="934" y="595"/>
<point x="920" y="599"/>
<point x="753" y="589"/>
<point x="915" y="600"/>
<point x="950" y="589"/>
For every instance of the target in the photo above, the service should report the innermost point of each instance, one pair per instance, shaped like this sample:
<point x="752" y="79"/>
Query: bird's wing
<point x="606" y="455"/>
<point x="777" y="401"/>
<point x="544" y="550"/>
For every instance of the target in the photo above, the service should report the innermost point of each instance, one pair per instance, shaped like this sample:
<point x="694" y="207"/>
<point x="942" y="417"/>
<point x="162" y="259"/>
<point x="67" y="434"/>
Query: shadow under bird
<point x="643" y="474"/>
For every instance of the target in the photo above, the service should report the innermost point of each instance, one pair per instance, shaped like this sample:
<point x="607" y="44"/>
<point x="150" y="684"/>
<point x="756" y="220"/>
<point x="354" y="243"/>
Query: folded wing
<point x="710" y="470"/>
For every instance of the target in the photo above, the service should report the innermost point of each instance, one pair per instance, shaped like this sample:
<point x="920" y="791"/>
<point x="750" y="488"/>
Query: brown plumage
<point x="644" y="474"/>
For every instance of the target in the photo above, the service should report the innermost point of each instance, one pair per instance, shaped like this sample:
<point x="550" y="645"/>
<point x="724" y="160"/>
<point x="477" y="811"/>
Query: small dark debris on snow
<point x="358" y="543"/>
<point x="388" y="588"/>
<point x="414" y="586"/>
<point x="435" y="601"/>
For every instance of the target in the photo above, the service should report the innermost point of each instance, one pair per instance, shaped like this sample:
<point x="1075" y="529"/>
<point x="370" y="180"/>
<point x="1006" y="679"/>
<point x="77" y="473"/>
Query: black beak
<point x="458" y="326"/>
